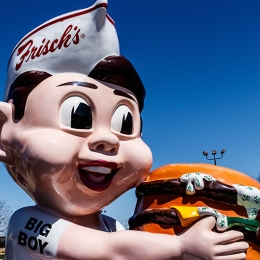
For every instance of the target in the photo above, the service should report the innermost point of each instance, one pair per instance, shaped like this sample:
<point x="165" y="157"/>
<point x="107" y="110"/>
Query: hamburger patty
<point x="213" y="189"/>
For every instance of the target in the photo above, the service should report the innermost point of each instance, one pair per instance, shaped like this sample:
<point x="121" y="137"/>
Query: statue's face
<point x="78" y="146"/>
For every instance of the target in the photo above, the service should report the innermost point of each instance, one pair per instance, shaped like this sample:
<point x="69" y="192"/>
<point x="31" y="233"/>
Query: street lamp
<point x="214" y="152"/>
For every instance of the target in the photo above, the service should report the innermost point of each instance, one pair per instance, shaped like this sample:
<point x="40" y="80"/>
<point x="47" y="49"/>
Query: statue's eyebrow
<point x="93" y="86"/>
<point x="123" y="94"/>
<point x="79" y="84"/>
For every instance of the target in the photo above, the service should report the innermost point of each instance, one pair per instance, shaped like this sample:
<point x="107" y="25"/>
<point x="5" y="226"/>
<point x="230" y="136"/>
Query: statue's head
<point x="70" y="123"/>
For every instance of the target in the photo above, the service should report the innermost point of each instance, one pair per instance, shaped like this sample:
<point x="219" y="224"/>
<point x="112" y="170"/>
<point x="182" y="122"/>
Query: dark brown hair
<point x="114" y="69"/>
<point x="22" y="87"/>
<point x="119" y="71"/>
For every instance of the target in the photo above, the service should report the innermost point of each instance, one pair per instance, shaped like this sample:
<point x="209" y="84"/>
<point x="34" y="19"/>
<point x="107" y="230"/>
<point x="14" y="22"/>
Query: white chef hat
<point x="73" y="42"/>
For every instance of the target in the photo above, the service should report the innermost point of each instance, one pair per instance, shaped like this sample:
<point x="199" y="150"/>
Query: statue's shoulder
<point x="34" y="234"/>
<point x="33" y="214"/>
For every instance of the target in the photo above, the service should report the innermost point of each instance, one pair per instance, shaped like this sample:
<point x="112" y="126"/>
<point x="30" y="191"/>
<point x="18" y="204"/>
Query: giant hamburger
<point x="175" y="196"/>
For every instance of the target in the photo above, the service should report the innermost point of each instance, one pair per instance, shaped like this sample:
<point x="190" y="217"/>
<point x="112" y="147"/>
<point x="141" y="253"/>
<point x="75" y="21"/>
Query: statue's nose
<point x="103" y="142"/>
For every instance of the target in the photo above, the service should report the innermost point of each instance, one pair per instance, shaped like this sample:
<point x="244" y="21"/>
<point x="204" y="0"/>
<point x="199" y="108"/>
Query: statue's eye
<point x="122" y="120"/>
<point x="76" y="113"/>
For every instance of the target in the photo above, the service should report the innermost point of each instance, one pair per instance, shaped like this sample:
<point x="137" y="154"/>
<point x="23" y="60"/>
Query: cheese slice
<point x="187" y="215"/>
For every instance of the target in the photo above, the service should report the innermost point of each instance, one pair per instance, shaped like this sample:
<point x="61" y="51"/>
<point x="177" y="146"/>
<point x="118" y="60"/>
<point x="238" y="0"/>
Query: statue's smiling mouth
<point x="97" y="175"/>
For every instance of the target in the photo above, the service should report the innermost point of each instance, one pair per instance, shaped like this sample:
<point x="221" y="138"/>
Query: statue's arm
<point x="198" y="241"/>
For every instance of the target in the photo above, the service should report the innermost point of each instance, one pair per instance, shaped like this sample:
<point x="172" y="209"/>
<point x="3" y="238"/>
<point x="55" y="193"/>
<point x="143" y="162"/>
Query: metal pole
<point x="214" y="155"/>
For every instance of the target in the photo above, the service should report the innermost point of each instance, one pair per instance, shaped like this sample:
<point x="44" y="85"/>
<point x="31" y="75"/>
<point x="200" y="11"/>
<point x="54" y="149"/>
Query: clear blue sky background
<point x="200" y="63"/>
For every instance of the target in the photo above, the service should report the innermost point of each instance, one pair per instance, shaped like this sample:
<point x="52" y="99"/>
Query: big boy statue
<point x="70" y="138"/>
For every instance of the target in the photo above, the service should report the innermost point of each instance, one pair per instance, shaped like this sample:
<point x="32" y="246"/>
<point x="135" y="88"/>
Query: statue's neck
<point x="94" y="221"/>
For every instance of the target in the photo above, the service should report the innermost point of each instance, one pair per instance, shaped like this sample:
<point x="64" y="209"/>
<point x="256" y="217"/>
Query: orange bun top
<point x="222" y="174"/>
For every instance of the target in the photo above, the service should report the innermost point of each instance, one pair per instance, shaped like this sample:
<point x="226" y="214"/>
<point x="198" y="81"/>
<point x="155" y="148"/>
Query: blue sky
<point x="200" y="64"/>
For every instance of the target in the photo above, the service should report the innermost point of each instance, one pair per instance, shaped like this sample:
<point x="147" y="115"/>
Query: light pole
<point x="214" y="152"/>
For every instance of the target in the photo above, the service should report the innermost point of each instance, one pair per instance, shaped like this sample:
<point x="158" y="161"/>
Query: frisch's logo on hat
<point x="73" y="42"/>
<point x="29" y="51"/>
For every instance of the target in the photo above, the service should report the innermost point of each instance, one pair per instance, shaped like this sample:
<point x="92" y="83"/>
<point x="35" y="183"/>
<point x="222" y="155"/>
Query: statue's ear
<point x="6" y="111"/>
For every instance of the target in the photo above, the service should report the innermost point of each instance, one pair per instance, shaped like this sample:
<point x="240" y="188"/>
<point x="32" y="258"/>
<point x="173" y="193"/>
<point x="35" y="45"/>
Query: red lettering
<point x="75" y="39"/>
<point x="52" y="48"/>
<point x="25" y="54"/>
<point x="46" y="48"/>
<point x="33" y="53"/>
<point x="39" y="52"/>
<point x="30" y="52"/>
<point x="65" y="38"/>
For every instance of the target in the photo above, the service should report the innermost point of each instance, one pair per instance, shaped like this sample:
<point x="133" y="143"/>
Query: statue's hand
<point x="200" y="243"/>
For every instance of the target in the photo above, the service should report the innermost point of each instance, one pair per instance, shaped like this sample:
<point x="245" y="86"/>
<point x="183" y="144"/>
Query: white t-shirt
<point x="35" y="234"/>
